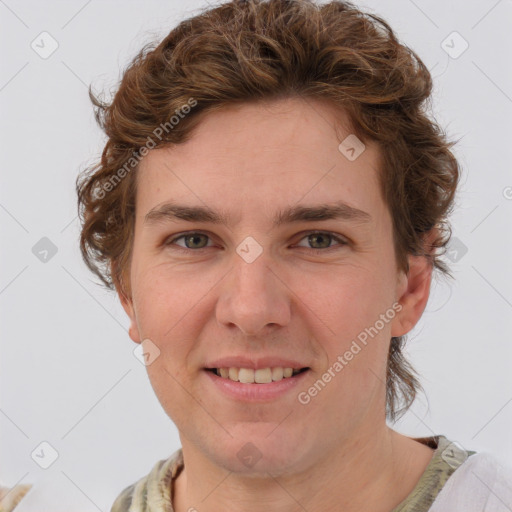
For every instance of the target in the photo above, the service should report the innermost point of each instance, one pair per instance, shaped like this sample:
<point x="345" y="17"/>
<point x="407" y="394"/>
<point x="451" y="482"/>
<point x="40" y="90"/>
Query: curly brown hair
<point x="244" y="51"/>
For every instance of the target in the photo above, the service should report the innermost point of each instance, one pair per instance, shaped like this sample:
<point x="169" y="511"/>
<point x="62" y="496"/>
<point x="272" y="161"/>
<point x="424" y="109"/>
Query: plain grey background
<point x="68" y="373"/>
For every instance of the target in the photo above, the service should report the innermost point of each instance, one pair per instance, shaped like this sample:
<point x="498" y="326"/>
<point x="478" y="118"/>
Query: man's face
<point x="263" y="291"/>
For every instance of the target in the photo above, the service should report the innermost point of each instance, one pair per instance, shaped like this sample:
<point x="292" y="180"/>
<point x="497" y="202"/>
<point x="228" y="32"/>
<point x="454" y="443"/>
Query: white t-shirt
<point x="480" y="484"/>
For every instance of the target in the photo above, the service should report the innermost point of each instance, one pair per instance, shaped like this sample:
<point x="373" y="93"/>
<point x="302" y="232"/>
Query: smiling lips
<point x="255" y="380"/>
<point x="250" y="371"/>
<point x="259" y="376"/>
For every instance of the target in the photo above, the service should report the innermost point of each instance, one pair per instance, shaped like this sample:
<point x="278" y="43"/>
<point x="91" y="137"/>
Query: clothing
<point x="478" y="485"/>
<point x="454" y="480"/>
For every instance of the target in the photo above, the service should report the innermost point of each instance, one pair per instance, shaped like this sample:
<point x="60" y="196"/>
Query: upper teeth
<point x="261" y="376"/>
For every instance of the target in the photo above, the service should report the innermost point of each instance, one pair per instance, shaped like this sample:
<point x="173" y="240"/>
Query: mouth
<point x="258" y="376"/>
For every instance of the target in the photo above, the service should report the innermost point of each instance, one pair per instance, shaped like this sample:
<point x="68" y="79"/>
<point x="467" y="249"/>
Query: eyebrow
<point x="171" y="211"/>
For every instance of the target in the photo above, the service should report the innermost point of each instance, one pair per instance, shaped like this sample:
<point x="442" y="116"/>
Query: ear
<point x="127" y="303"/>
<point x="133" y="330"/>
<point x="413" y="290"/>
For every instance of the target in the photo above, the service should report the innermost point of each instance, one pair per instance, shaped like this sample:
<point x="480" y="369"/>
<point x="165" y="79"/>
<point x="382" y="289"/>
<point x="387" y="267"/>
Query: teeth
<point x="277" y="373"/>
<point x="260" y="376"/>
<point x="263" y="376"/>
<point x="246" y="375"/>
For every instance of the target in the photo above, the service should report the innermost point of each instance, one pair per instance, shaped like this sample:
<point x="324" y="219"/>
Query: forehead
<point x="259" y="157"/>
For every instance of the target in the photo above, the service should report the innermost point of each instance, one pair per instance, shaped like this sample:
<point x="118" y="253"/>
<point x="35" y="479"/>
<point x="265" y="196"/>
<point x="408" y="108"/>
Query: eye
<point x="322" y="238"/>
<point x="198" y="240"/>
<point x="192" y="239"/>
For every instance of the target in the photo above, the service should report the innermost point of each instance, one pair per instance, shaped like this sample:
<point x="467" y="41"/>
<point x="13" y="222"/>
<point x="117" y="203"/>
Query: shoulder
<point x="123" y="502"/>
<point x="10" y="497"/>
<point x="153" y="488"/>
<point x="480" y="484"/>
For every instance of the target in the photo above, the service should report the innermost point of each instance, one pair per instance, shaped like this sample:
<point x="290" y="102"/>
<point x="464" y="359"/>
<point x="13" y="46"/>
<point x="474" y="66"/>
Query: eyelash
<point x="336" y="238"/>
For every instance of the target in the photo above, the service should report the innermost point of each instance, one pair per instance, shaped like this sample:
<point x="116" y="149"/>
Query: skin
<point x="297" y="299"/>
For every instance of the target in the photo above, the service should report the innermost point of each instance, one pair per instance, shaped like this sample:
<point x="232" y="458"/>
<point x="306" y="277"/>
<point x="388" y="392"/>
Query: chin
<point x="259" y="449"/>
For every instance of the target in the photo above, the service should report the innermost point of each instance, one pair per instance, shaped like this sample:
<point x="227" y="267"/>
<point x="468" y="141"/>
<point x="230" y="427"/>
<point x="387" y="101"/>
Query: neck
<point x="375" y="472"/>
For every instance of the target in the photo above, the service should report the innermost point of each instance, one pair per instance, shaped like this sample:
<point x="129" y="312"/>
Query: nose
<point x="253" y="297"/>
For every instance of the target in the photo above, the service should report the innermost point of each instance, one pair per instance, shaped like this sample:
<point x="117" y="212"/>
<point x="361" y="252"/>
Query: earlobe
<point x="415" y="291"/>
<point x="127" y="303"/>
<point x="133" y="330"/>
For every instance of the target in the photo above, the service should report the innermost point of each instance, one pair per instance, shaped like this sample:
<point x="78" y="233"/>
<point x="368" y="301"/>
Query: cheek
<point x="166" y="294"/>
<point x="346" y="300"/>
<point x="344" y="311"/>
<point x="166" y="314"/>
<point x="165" y="310"/>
